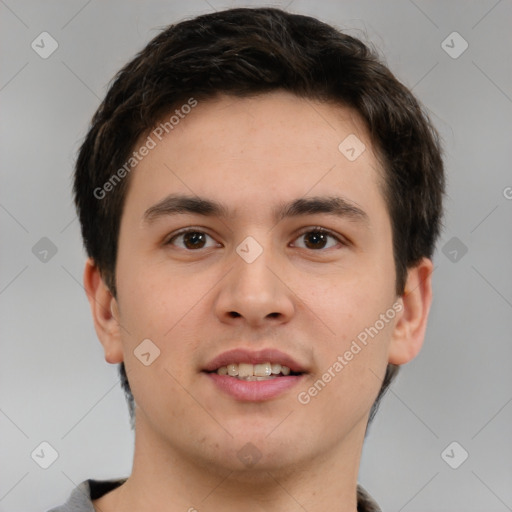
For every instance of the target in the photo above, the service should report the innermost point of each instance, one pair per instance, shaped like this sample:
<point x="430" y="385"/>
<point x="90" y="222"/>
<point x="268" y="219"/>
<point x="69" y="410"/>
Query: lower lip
<point x="254" y="391"/>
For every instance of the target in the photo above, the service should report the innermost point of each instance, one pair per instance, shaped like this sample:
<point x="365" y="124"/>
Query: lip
<point x="254" y="391"/>
<point x="254" y="357"/>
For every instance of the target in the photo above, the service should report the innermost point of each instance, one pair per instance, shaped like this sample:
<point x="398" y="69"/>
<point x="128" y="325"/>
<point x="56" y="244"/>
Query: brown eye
<point x="194" y="240"/>
<point x="316" y="239"/>
<point x="191" y="240"/>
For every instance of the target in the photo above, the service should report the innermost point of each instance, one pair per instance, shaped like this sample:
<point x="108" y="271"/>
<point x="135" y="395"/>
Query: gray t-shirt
<point x="81" y="498"/>
<point x="83" y="495"/>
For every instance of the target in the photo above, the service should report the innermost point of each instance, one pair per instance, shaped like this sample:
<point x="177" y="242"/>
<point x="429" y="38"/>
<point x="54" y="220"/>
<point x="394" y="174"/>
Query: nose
<point x="255" y="294"/>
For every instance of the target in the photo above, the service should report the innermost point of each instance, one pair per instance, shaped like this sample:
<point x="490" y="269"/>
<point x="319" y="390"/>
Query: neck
<point x="165" y="479"/>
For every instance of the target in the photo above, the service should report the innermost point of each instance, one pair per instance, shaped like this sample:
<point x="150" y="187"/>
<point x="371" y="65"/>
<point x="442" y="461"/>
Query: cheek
<point x="350" y="372"/>
<point x="154" y="300"/>
<point x="349" y="303"/>
<point x="359" y="321"/>
<point x="168" y="311"/>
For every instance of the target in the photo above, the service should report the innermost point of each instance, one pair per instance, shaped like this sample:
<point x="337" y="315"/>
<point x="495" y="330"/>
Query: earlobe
<point x="410" y="328"/>
<point x="105" y="313"/>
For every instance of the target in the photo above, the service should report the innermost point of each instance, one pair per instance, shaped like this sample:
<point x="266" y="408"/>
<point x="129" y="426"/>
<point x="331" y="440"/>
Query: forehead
<point x="272" y="147"/>
<point x="267" y="124"/>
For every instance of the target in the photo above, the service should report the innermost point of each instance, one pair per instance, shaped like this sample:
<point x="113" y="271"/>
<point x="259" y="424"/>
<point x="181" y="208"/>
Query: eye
<point x="192" y="239"/>
<point x="317" y="238"/>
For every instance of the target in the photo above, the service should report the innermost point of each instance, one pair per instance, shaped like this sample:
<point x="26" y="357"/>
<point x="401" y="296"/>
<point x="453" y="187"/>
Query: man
<point x="259" y="199"/>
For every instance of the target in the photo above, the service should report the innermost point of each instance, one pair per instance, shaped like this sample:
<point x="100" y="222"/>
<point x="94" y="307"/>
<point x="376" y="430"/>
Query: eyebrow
<point x="183" y="204"/>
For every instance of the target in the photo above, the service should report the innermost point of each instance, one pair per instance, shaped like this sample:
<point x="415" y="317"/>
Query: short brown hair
<point x="246" y="52"/>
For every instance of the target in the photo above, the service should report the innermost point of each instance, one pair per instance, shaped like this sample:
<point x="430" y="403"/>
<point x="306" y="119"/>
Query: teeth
<point x="247" y="371"/>
<point x="254" y="377"/>
<point x="233" y="370"/>
<point x="262" y="370"/>
<point x="276" y="368"/>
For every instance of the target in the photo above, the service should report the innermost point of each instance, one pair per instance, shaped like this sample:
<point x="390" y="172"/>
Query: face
<point x="249" y="237"/>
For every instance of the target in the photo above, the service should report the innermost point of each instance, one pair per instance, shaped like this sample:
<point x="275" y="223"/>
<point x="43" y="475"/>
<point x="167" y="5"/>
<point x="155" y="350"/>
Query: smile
<point x="254" y="372"/>
<point x="254" y="375"/>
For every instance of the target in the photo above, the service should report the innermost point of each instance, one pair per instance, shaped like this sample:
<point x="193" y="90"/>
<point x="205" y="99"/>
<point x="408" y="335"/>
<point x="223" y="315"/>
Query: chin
<point x="255" y="453"/>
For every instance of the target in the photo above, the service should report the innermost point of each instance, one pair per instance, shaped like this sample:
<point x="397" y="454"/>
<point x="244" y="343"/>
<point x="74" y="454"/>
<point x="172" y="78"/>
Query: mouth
<point x="254" y="376"/>
<point x="255" y="372"/>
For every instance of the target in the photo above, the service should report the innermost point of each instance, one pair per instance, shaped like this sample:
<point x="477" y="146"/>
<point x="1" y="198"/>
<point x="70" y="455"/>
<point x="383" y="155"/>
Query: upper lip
<point x="241" y="355"/>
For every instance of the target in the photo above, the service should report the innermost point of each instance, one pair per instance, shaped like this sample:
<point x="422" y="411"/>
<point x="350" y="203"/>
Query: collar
<point x="83" y="495"/>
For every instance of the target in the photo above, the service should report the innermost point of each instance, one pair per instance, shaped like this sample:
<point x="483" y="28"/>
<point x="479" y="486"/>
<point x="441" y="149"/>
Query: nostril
<point x="234" y="314"/>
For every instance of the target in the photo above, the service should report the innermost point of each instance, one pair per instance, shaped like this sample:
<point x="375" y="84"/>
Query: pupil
<point x="194" y="240"/>
<point x="318" y="240"/>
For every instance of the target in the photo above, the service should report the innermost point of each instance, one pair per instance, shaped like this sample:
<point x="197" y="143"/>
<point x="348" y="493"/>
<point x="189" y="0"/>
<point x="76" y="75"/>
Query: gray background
<point x="54" y="383"/>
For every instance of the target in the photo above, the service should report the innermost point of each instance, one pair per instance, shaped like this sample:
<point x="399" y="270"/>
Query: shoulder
<point x="365" y="503"/>
<point x="81" y="498"/>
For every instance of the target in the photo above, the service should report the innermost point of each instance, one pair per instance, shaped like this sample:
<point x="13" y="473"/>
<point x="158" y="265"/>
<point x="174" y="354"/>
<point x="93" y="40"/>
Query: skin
<point x="252" y="154"/>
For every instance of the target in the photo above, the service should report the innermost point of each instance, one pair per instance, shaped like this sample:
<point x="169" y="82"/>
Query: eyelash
<point x="316" y="229"/>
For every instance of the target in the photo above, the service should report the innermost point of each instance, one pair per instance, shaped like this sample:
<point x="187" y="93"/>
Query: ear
<point x="104" y="312"/>
<point x="409" y="331"/>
